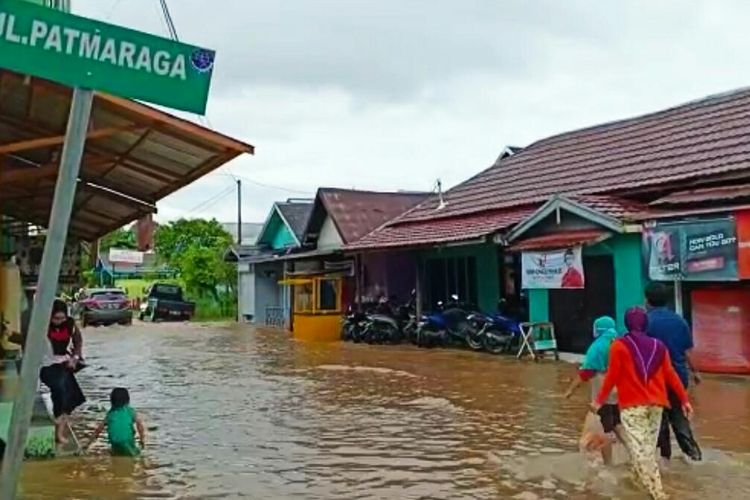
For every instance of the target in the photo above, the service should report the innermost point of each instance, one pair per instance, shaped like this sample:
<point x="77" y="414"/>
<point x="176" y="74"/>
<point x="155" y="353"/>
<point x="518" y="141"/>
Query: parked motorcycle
<point x="352" y="325"/>
<point x="496" y="333"/>
<point x="390" y="323"/>
<point x="448" y="326"/>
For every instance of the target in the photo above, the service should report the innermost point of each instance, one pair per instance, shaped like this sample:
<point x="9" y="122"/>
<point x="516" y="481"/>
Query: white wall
<point x="246" y="296"/>
<point x="329" y="238"/>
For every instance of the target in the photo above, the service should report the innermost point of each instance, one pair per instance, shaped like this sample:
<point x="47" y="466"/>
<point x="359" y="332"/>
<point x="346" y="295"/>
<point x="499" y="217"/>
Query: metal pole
<point x="678" y="304"/>
<point x="239" y="212"/>
<point x="62" y="205"/>
<point x="418" y="290"/>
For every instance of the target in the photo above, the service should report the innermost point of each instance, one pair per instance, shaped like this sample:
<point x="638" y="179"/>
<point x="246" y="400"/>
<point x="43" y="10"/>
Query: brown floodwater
<point x="235" y="412"/>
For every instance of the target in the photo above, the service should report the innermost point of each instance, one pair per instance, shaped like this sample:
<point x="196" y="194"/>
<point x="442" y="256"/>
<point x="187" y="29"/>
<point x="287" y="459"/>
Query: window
<point x="109" y="295"/>
<point x="454" y="275"/>
<point x="318" y="295"/>
<point x="328" y="295"/>
<point x="303" y="298"/>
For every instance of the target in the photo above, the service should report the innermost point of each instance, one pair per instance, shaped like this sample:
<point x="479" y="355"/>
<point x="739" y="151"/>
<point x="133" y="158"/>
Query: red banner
<point x="742" y="219"/>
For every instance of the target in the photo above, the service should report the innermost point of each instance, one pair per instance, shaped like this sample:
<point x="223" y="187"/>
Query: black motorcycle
<point x="388" y="323"/>
<point x="353" y="325"/>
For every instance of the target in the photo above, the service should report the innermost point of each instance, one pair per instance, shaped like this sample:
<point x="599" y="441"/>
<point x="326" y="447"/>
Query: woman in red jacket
<point x="640" y="369"/>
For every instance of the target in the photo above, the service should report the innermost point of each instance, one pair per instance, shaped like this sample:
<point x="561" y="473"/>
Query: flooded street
<point x="238" y="413"/>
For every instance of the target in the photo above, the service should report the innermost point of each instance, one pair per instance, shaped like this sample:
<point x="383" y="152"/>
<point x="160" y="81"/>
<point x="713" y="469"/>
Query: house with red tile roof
<point x="594" y="188"/>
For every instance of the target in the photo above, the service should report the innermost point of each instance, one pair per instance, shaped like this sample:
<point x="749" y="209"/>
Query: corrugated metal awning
<point x="135" y="155"/>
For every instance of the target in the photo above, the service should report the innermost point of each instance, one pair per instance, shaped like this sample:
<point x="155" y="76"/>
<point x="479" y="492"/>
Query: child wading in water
<point x="121" y="422"/>
<point x="593" y="369"/>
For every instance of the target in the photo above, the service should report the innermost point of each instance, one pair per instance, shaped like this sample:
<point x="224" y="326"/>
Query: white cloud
<point x="393" y="94"/>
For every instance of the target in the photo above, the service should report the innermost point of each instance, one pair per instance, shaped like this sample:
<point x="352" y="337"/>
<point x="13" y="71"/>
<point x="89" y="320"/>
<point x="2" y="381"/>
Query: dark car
<point x="105" y="306"/>
<point x="164" y="301"/>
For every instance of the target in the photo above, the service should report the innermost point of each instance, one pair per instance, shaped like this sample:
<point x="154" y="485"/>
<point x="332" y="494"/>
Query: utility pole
<point x="239" y="212"/>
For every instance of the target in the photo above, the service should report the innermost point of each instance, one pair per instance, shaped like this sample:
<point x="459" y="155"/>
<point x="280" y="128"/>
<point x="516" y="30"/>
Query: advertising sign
<point x="704" y="250"/>
<point x="119" y="256"/>
<point x="553" y="269"/>
<point x="80" y="52"/>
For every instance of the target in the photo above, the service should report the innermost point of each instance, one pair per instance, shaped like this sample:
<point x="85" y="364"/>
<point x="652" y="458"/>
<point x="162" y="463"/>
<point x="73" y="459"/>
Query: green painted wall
<point x="629" y="277"/>
<point x="488" y="277"/>
<point x="283" y="238"/>
<point x="277" y="235"/>
<point x="538" y="306"/>
<point x="630" y="280"/>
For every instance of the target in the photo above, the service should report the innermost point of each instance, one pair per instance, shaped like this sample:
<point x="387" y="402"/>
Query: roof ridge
<point x="692" y="104"/>
<point x="370" y="191"/>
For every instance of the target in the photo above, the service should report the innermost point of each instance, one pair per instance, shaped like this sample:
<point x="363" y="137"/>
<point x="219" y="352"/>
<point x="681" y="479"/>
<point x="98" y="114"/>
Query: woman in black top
<point x="58" y="371"/>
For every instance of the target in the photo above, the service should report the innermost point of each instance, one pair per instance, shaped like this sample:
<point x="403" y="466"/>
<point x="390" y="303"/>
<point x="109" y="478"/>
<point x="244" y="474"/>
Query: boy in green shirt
<point x="121" y="422"/>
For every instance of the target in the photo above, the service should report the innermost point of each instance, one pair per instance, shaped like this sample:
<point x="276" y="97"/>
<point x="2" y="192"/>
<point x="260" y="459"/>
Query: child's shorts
<point x="125" y="449"/>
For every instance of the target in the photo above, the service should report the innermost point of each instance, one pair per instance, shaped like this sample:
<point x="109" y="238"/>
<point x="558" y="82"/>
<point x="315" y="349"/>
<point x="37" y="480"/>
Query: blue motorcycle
<point x="496" y="333"/>
<point x="447" y="326"/>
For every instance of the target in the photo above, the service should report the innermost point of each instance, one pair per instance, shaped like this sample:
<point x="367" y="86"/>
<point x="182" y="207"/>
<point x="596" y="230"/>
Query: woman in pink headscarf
<point x="640" y="369"/>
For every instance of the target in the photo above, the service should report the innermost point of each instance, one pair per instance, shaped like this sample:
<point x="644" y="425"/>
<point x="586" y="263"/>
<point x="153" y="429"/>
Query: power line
<point x="170" y="22"/>
<point x="210" y="201"/>
<point x="172" y="29"/>
<point x="112" y="8"/>
<point x="271" y="186"/>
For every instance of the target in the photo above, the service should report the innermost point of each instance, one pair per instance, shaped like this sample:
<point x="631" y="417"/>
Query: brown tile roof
<point x="613" y="206"/>
<point x="561" y="239"/>
<point x="697" y="139"/>
<point x="702" y="138"/>
<point x="444" y="230"/>
<point x="400" y="233"/>
<point x="704" y="195"/>
<point x="357" y="213"/>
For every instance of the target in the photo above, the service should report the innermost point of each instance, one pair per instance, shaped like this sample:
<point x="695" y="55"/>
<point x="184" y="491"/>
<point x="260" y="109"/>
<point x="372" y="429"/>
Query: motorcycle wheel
<point x="474" y="339"/>
<point x="357" y="335"/>
<point x="419" y="338"/>
<point x="492" y="346"/>
<point x="369" y="335"/>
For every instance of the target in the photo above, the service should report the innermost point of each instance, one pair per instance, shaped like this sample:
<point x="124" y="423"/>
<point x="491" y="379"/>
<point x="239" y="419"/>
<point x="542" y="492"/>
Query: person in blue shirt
<point x="673" y="330"/>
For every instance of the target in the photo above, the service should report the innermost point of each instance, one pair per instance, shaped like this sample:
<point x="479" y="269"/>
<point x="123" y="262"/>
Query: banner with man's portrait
<point x="553" y="269"/>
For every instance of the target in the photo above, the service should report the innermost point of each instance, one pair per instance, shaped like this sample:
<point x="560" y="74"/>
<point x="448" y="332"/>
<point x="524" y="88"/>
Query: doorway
<point x="573" y="311"/>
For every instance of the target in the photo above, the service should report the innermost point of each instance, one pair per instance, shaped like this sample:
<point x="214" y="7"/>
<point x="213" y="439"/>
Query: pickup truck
<point x="165" y="302"/>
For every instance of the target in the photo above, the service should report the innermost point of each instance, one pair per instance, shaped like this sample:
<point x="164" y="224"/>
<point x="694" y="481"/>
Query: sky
<point x="395" y="94"/>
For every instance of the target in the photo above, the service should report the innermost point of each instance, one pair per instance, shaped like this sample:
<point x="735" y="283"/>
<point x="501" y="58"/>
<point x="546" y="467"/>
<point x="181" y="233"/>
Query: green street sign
<point x="81" y="52"/>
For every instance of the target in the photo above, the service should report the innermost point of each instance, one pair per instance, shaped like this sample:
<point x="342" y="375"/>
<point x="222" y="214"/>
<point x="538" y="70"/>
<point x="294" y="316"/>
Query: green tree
<point x="196" y="248"/>
<point x="175" y="237"/>
<point x="121" y="238"/>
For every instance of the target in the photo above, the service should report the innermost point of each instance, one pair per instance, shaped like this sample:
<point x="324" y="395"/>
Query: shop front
<point x="705" y="260"/>
<point x="470" y="272"/>
<point x="577" y="264"/>
<point x="582" y="282"/>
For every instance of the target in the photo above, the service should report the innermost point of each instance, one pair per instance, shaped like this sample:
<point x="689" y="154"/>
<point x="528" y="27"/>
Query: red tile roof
<point x="443" y="230"/>
<point x="562" y="239"/>
<point x="714" y="194"/>
<point x="697" y="139"/>
<point x="618" y="208"/>
<point x="357" y="213"/>
<point x="702" y="138"/>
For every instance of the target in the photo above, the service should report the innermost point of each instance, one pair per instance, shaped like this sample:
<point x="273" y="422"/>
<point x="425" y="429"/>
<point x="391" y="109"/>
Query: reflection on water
<point x="240" y="413"/>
